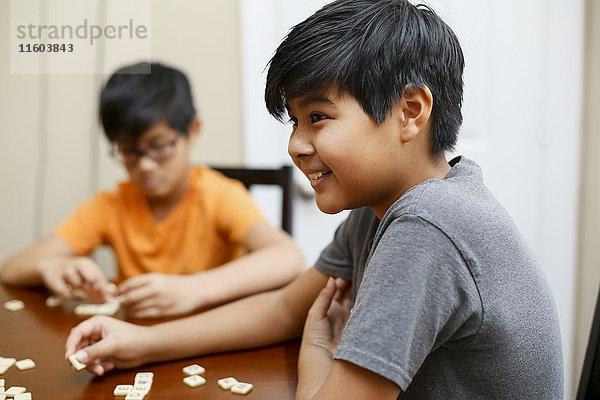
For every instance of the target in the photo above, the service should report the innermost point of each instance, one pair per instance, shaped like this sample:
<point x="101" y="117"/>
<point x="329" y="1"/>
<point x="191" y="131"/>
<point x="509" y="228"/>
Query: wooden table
<point x="39" y="332"/>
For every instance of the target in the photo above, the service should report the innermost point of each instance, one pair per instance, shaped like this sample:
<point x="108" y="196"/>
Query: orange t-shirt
<point x="206" y="229"/>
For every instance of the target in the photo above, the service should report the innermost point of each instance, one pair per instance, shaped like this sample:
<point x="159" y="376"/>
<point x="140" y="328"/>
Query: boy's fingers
<point x="107" y="365"/>
<point x="93" y="279"/>
<point x="97" y="369"/>
<point x="343" y="288"/>
<point x="342" y="284"/>
<point x="71" y="276"/>
<point x="74" y="339"/>
<point x="82" y="334"/>
<point x="132" y="283"/>
<point x="323" y="300"/>
<point x="147" y="312"/>
<point x="136" y="295"/>
<point x="91" y="273"/>
<point x="57" y="285"/>
<point x="347" y="302"/>
<point x="97" y="351"/>
<point x="103" y="367"/>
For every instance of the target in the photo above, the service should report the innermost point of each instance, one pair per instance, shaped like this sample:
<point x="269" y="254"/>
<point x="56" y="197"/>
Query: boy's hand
<point x="104" y="343"/>
<point x="63" y="275"/>
<point x="155" y="295"/>
<point x="328" y="315"/>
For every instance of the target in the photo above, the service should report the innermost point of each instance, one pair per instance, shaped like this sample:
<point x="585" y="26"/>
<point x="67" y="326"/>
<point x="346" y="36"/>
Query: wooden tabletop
<point x="39" y="332"/>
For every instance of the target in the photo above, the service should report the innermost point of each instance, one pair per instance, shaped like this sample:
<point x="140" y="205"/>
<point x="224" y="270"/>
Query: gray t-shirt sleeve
<point x="336" y="258"/>
<point x="416" y="294"/>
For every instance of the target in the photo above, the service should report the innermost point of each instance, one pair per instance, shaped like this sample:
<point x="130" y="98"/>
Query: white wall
<point x="522" y="119"/>
<point x="523" y="124"/>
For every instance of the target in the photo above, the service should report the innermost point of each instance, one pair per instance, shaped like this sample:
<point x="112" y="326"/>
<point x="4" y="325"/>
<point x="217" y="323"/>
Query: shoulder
<point x="204" y="178"/>
<point x="224" y="197"/>
<point x="455" y="214"/>
<point x="461" y="199"/>
<point x="412" y="240"/>
<point x="107" y="198"/>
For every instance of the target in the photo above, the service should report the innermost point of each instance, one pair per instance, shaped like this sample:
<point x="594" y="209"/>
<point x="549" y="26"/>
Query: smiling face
<point x="350" y="161"/>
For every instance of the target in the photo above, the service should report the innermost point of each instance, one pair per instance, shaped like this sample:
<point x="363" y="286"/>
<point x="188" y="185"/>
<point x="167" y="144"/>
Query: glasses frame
<point x="159" y="154"/>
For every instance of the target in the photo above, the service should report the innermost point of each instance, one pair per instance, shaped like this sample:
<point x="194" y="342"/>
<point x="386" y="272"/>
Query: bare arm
<point x="273" y="260"/>
<point x="24" y="268"/>
<point x="319" y="375"/>
<point x="51" y="262"/>
<point x="347" y="381"/>
<point x="254" y="321"/>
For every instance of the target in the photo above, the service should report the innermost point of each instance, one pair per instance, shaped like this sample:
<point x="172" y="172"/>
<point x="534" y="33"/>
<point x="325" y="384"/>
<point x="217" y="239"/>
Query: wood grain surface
<point x="39" y="332"/>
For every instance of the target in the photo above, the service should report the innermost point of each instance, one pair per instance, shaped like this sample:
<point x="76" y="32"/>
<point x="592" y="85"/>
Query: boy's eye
<point x="159" y="147"/>
<point x="128" y="151"/>
<point x="316" y="117"/>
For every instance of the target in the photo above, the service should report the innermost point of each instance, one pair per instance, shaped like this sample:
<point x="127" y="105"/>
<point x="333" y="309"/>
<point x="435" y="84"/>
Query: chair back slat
<point x="589" y="383"/>
<point x="281" y="177"/>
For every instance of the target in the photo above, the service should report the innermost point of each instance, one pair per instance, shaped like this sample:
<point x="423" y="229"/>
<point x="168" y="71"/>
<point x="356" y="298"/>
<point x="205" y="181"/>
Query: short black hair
<point x="138" y="96"/>
<point x="374" y="50"/>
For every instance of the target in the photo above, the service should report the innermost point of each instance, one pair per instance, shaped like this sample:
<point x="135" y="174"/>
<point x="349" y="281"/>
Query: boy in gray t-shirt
<point x="449" y="301"/>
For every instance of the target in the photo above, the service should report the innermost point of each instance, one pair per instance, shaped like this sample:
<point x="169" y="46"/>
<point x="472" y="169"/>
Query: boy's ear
<point x="194" y="129"/>
<point x="415" y="111"/>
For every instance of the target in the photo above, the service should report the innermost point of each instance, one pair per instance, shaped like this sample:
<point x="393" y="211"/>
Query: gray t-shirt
<point x="450" y="303"/>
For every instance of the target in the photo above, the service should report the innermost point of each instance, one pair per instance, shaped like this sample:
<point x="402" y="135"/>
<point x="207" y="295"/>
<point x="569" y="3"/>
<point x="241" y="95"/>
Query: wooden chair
<point x="589" y="383"/>
<point x="281" y="177"/>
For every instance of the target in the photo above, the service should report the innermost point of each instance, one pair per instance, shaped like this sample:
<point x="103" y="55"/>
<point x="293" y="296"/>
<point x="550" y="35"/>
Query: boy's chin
<point x="329" y="207"/>
<point x="154" y="193"/>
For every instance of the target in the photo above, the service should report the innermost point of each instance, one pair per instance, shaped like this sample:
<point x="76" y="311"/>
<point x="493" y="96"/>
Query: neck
<point x="439" y="166"/>
<point x="162" y="206"/>
<point x="433" y="167"/>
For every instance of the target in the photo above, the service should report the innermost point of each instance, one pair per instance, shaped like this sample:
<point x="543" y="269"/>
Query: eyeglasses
<point x="130" y="155"/>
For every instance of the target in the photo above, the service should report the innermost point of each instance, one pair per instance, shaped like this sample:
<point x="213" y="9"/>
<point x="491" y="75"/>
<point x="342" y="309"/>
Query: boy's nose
<point x="300" y="146"/>
<point x="145" y="163"/>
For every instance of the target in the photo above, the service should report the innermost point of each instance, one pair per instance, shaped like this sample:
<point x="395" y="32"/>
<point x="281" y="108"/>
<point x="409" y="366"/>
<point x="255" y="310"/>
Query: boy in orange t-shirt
<point x="171" y="225"/>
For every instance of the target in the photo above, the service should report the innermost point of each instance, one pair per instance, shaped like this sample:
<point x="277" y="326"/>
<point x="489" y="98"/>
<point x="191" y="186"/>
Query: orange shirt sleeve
<point x="85" y="229"/>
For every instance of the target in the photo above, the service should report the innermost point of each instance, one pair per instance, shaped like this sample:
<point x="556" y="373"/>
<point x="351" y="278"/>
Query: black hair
<point x="138" y="96"/>
<point x="374" y="50"/>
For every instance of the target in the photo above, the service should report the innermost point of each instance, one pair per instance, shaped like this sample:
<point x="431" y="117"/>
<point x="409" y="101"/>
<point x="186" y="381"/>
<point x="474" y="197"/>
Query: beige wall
<point x="56" y="115"/>
<point x="589" y="233"/>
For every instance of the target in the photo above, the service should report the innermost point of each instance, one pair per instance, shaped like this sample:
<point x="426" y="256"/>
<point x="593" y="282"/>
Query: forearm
<point x="314" y="364"/>
<point x="250" y="322"/>
<point x="25" y="268"/>
<point x="254" y="321"/>
<point x="22" y="270"/>
<point x="264" y="269"/>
